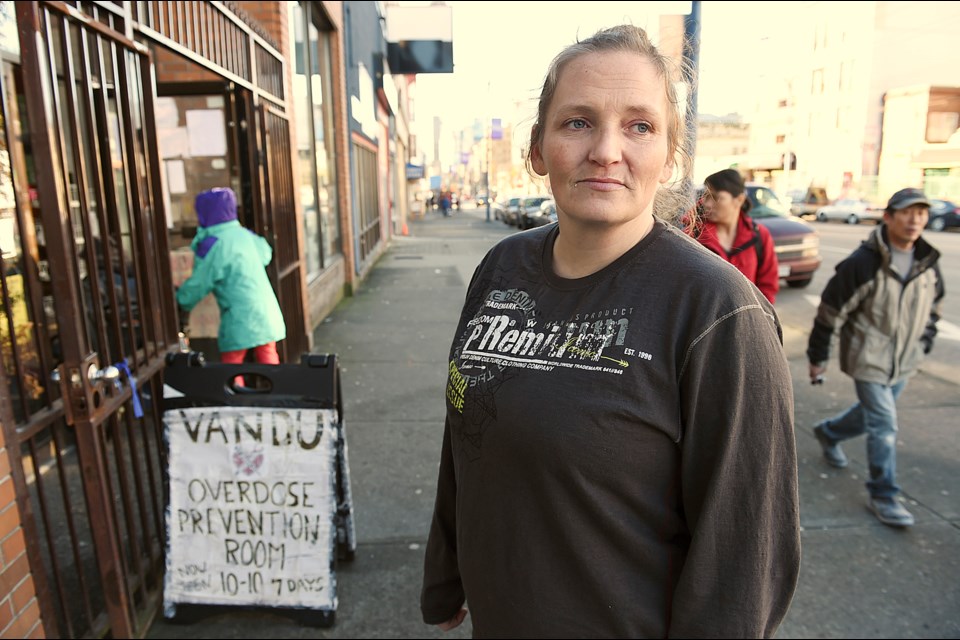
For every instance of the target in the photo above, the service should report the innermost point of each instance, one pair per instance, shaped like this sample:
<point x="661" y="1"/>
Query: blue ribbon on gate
<point x="125" y="368"/>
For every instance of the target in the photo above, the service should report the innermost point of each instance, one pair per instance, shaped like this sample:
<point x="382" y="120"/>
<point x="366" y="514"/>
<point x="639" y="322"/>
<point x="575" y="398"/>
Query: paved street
<point x="859" y="579"/>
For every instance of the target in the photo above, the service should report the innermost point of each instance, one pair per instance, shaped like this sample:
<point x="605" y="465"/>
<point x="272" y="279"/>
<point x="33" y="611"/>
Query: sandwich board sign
<point x="259" y="504"/>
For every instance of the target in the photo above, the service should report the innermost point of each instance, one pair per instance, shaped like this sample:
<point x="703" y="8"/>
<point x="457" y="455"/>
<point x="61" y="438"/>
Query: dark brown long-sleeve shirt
<point x="618" y="456"/>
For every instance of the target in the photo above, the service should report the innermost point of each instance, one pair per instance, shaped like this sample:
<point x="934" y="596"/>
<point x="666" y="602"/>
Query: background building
<point x="825" y="105"/>
<point x="921" y="144"/>
<point x="722" y="142"/>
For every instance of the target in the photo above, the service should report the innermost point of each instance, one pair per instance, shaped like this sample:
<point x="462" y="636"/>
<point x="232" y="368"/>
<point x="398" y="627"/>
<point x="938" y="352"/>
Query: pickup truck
<point x="806" y="207"/>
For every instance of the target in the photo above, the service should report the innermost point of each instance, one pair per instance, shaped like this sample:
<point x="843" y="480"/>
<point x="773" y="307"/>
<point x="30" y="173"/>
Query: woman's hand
<point x="453" y="622"/>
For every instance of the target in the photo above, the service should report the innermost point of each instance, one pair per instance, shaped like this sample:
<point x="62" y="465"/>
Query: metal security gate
<point x="278" y="222"/>
<point x="87" y="314"/>
<point x="99" y="299"/>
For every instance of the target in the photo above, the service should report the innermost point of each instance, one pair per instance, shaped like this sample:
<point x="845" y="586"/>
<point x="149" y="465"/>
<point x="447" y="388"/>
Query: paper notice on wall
<point x="173" y="143"/>
<point x="166" y="114"/>
<point x="176" y="177"/>
<point x="252" y="501"/>
<point x="207" y="132"/>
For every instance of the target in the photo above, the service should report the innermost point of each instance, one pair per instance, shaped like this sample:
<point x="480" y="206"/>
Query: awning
<point x="943" y="157"/>
<point x="767" y="162"/>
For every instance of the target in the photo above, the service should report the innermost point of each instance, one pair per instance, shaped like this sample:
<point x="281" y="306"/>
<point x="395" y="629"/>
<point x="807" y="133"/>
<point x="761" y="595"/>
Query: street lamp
<point x="486" y="175"/>
<point x="486" y="143"/>
<point x="691" y="55"/>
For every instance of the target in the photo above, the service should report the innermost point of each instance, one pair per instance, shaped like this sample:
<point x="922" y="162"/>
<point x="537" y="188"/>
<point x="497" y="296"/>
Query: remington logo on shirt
<point x="504" y="335"/>
<point x="507" y="331"/>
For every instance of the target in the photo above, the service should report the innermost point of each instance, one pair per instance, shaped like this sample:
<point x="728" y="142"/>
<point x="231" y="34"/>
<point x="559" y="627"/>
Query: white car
<point x="851" y="211"/>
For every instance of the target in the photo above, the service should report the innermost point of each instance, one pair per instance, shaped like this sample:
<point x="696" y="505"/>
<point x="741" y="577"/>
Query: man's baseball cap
<point x="906" y="198"/>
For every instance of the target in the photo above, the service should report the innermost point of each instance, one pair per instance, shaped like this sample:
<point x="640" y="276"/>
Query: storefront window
<point x="9" y="40"/>
<point x="19" y="348"/>
<point x="316" y="171"/>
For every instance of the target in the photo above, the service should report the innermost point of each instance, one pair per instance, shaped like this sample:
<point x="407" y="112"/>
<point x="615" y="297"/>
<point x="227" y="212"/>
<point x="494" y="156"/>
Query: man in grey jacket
<point x="884" y="301"/>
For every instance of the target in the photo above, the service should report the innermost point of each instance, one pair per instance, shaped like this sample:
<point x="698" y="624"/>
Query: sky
<point x="501" y="51"/>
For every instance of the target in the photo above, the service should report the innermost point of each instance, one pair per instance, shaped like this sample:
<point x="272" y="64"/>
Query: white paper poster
<point x="176" y="177"/>
<point x="173" y="143"/>
<point x="252" y="502"/>
<point x="166" y="114"/>
<point x="207" y="132"/>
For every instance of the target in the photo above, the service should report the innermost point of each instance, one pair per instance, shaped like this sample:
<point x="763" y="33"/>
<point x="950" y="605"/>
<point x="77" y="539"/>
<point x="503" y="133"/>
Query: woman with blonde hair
<point x="615" y="461"/>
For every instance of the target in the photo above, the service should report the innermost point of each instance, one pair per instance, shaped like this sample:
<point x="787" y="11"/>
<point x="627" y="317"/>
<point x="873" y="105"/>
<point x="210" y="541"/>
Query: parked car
<point x="943" y="215"/>
<point x="511" y="210"/>
<point x="548" y="214"/>
<point x="850" y="210"/>
<point x="805" y="205"/>
<point x="497" y="210"/>
<point x="796" y="243"/>
<point x="530" y="211"/>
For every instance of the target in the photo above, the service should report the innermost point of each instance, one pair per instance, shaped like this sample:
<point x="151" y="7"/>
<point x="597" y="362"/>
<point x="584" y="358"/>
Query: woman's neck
<point x="727" y="232"/>
<point x="585" y="249"/>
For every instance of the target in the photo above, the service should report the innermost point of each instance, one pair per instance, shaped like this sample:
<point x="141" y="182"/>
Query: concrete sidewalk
<point x="858" y="578"/>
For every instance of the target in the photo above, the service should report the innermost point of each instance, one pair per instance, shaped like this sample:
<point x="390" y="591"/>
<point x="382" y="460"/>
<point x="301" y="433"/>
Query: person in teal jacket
<point x="229" y="261"/>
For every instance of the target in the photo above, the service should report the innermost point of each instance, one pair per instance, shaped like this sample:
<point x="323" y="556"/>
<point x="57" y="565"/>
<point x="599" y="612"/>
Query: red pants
<point x="263" y="354"/>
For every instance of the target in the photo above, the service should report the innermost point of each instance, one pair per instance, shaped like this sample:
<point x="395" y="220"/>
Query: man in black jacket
<point x="884" y="301"/>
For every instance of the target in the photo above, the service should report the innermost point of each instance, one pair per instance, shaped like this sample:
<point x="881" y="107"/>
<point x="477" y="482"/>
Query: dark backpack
<point x="756" y="242"/>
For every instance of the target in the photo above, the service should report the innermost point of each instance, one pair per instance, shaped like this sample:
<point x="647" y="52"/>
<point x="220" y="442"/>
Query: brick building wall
<point x="19" y="607"/>
<point x="267" y="18"/>
<point x="172" y="67"/>
<point x="335" y="13"/>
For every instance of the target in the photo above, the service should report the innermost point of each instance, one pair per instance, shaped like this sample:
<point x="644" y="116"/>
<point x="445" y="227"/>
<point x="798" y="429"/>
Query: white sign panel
<point x="252" y="502"/>
<point x="207" y="132"/>
<point x="176" y="176"/>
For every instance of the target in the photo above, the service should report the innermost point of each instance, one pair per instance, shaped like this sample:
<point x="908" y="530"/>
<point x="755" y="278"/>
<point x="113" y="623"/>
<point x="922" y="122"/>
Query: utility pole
<point x="487" y="135"/>
<point x="787" y="162"/>
<point x="691" y="58"/>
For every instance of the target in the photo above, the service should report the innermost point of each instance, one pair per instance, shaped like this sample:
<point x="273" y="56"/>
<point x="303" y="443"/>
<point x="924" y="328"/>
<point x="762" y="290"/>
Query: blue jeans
<point x="875" y="415"/>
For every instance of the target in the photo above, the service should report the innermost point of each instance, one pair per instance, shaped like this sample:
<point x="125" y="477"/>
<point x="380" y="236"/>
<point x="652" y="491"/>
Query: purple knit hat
<point x="216" y="206"/>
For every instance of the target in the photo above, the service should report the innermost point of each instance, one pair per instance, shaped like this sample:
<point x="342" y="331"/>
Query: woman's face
<point x="604" y="142"/>
<point x="721" y="207"/>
